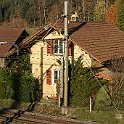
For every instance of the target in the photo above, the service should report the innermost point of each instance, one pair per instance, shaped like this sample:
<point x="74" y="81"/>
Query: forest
<point x="37" y="13"/>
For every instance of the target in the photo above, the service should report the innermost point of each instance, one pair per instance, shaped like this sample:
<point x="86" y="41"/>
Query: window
<point x="56" y="76"/>
<point x="58" y="47"/>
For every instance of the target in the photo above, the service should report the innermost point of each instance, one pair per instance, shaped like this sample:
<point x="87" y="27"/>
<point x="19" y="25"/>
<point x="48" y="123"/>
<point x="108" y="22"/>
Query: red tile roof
<point x="27" y="42"/>
<point x="101" y="40"/>
<point x="8" y="35"/>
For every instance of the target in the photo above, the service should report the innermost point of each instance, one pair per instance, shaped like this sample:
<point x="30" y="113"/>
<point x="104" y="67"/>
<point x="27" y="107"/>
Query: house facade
<point x="95" y="42"/>
<point x="44" y="56"/>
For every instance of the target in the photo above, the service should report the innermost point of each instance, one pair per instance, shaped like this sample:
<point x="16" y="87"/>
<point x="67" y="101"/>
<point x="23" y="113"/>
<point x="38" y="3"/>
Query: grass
<point x="6" y="103"/>
<point x="106" y="116"/>
<point x="47" y="107"/>
<point x="31" y="30"/>
<point x="50" y="107"/>
<point x="95" y="116"/>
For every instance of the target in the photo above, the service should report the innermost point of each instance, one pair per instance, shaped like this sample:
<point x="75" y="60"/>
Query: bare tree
<point x="117" y="68"/>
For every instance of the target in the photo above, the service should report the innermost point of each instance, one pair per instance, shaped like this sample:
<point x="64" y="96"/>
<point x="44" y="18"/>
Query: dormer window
<point x="74" y="17"/>
<point x="58" y="46"/>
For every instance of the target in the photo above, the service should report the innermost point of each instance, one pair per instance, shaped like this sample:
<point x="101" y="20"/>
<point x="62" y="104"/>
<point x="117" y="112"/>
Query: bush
<point x="6" y="84"/>
<point x="26" y="87"/>
<point x="6" y="103"/>
<point x="27" y="92"/>
<point x="83" y="85"/>
<point x="103" y="101"/>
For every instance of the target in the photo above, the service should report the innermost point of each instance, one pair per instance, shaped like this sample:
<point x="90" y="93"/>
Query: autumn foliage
<point x="111" y="14"/>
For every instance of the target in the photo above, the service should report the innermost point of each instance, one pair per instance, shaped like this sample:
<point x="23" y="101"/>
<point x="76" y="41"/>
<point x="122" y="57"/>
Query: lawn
<point x="50" y="107"/>
<point x="105" y="117"/>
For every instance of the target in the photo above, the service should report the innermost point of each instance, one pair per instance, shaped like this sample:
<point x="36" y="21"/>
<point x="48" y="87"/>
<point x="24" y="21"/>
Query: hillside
<point x="37" y="13"/>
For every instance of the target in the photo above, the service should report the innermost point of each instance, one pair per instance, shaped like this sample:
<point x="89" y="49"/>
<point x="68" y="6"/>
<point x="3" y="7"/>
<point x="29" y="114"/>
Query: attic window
<point x="58" y="46"/>
<point x="74" y="17"/>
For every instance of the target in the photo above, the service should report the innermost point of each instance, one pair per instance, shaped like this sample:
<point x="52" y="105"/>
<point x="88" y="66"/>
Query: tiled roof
<point x="8" y="35"/>
<point x="31" y="39"/>
<point x="4" y="50"/>
<point x="101" y="40"/>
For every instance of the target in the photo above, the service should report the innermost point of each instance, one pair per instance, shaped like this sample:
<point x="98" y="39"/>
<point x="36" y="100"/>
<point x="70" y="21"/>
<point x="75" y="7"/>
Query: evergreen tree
<point x="83" y="85"/>
<point x="6" y="84"/>
<point x="26" y="87"/>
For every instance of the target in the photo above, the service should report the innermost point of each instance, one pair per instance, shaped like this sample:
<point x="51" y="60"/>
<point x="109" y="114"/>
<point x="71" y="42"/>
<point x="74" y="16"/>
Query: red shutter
<point x="69" y="49"/>
<point x="48" y="77"/>
<point x="49" y="46"/>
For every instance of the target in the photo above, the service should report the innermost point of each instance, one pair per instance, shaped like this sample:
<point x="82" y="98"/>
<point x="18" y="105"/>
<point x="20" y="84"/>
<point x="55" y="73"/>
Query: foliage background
<point x="83" y="85"/>
<point x="33" y="13"/>
<point x="17" y="81"/>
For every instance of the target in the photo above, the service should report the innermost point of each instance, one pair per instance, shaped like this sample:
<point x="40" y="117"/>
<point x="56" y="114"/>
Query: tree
<point x="6" y="84"/>
<point x="83" y="85"/>
<point x="25" y="86"/>
<point x="120" y="16"/>
<point x="100" y="9"/>
<point x="117" y="68"/>
<point x="115" y="14"/>
<point x="111" y="14"/>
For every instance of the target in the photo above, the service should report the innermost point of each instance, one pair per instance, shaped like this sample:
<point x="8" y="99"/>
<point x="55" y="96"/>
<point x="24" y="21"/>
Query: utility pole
<point x="65" y="107"/>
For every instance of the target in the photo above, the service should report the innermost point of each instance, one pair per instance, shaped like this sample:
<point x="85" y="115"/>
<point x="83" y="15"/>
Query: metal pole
<point x="13" y="43"/>
<point x="65" y="109"/>
<point x="17" y="49"/>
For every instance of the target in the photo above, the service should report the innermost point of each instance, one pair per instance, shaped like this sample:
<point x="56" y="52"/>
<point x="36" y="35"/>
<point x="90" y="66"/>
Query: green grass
<point x="31" y="30"/>
<point x="6" y="103"/>
<point x="96" y="116"/>
<point x="106" y="116"/>
<point x="50" y="107"/>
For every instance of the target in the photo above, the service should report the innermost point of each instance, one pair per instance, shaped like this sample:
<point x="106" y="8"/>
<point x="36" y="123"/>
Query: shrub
<point x="6" y="84"/>
<point x="25" y="86"/>
<point x="83" y="85"/>
<point x="6" y="103"/>
<point x="103" y="101"/>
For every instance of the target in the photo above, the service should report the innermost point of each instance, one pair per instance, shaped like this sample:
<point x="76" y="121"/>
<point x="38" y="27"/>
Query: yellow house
<point x="44" y="56"/>
<point x="88" y="40"/>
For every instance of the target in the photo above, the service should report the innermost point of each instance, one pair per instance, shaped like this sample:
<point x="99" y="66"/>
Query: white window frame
<point x="58" y="47"/>
<point x="53" y="76"/>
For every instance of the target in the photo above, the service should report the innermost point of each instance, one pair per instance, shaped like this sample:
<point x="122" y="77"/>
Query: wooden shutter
<point x="48" y="77"/>
<point x="69" y="48"/>
<point x="49" y="46"/>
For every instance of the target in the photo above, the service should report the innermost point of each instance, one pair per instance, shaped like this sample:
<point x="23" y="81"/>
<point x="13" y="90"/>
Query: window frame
<point x="58" y="47"/>
<point x="53" y="76"/>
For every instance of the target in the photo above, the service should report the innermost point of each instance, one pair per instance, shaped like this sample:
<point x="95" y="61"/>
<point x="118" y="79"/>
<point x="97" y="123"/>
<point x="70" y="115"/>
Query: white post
<point x="90" y="104"/>
<point x="65" y="107"/>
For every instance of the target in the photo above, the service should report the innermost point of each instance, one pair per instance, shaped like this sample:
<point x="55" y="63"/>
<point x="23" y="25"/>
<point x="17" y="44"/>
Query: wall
<point x="42" y="61"/>
<point x="39" y="66"/>
<point x="2" y="62"/>
<point x="86" y="59"/>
